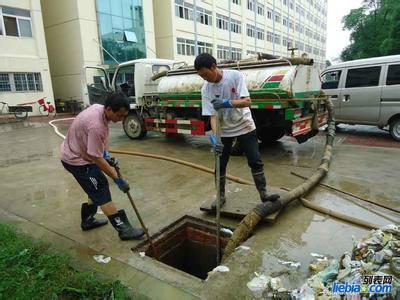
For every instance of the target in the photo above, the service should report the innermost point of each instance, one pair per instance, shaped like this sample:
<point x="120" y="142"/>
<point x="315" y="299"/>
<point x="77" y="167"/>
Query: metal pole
<point x="218" y="184"/>
<point x="230" y="29"/>
<point x="140" y="218"/>
<point x="196" y="47"/>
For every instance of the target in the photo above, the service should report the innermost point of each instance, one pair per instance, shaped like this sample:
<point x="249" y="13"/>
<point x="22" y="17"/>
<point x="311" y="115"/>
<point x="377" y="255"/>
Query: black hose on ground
<point x="249" y="223"/>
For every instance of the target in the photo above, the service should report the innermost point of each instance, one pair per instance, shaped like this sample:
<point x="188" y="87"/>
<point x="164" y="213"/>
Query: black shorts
<point x="92" y="180"/>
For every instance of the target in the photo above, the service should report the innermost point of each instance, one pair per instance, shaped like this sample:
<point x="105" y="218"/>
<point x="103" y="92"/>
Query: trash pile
<point x="374" y="262"/>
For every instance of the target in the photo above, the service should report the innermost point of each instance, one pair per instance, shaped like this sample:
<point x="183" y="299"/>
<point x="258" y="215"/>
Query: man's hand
<point x="112" y="161"/>
<point x="217" y="146"/>
<point x="221" y="103"/>
<point x="106" y="155"/>
<point x="123" y="185"/>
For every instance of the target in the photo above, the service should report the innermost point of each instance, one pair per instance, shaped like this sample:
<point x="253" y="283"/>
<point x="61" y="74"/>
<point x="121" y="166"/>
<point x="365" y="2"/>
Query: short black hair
<point x="204" y="60"/>
<point x="117" y="101"/>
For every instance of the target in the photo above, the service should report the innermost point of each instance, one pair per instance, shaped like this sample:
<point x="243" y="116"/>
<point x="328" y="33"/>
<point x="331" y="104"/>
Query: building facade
<point x="94" y="33"/>
<point x="233" y="29"/>
<point x="24" y="66"/>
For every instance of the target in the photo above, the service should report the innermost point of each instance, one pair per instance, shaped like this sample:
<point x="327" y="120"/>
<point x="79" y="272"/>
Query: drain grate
<point x="188" y="244"/>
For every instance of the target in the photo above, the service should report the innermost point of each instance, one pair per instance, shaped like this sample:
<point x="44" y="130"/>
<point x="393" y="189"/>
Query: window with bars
<point x="251" y="5"/>
<point x="17" y="22"/>
<point x="183" y="10"/>
<point x="205" y="47"/>
<point x="5" y="83"/>
<point x="223" y="53"/>
<point x="269" y="14"/>
<point x="277" y="17"/>
<point x="285" y="21"/>
<point x="251" y="30"/>
<point x="270" y="36"/>
<point x="277" y="39"/>
<point x="236" y="2"/>
<point x="185" y="47"/>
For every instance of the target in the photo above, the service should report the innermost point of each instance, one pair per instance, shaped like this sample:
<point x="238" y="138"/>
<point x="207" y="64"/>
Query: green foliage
<point x="30" y="270"/>
<point x="375" y="29"/>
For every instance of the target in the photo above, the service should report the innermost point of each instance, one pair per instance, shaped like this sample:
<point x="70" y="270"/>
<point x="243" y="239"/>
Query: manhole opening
<point x="188" y="244"/>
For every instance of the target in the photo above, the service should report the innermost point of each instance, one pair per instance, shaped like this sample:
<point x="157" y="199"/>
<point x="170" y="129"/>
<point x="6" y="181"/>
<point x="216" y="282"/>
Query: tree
<point x="375" y="29"/>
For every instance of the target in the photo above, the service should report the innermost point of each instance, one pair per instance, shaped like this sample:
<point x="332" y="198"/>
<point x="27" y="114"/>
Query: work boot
<point x="223" y="199"/>
<point x="125" y="230"/>
<point x="88" y="220"/>
<point x="261" y="185"/>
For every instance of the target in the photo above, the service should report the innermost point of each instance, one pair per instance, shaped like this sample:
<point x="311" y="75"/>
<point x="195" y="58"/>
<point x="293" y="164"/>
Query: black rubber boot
<point x="261" y="185"/>
<point x="125" y="230"/>
<point x="223" y="198"/>
<point x="88" y="220"/>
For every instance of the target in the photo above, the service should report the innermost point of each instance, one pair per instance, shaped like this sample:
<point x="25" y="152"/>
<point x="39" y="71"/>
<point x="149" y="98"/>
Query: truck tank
<point x="281" y="80"/>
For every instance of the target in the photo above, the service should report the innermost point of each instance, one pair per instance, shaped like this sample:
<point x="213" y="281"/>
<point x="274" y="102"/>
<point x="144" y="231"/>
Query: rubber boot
<point x="125" y="230"/>
<point x="223" y="199"/>
<point x="261" y="185"/>
<point x="88" y="220"/>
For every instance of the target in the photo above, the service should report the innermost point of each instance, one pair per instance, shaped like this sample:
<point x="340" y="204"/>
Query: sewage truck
<point x="165" y="96"/>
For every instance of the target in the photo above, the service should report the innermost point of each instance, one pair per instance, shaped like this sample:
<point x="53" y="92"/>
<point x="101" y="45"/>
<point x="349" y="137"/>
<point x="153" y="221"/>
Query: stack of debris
<point x="374" y="261"/>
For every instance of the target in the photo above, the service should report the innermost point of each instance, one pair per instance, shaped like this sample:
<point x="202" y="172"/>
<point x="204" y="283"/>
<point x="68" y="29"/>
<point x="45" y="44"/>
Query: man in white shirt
<point x="226" y="91"/>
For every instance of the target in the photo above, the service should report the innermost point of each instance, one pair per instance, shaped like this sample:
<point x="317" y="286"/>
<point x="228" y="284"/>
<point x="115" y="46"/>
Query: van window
<point x="363" y="77"/>
<point x="331" y="79"/>
<point x="393" y="76"/>
<point x="159" y="68"/>
<point x="125" y="81"/>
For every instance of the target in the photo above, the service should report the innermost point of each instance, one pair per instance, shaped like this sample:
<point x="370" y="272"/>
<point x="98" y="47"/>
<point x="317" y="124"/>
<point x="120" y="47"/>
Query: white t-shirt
<point x="234" y="121"/>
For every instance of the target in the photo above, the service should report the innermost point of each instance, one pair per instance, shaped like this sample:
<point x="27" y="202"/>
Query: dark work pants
<point x="249" y="144"/>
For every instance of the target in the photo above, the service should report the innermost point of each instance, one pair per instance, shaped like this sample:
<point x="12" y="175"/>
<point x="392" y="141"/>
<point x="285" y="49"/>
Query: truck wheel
<point x="394" y="129"/>
<point x="134" y="126"/>
<point x="272" y="134"/>
<point x="236" y="148"/>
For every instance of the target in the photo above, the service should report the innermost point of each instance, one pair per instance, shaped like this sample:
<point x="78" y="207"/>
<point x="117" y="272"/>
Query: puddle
<point x="188" y="244"/>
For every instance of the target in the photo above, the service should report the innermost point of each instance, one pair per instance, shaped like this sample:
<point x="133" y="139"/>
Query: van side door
<point x="390" y="98"/>
<point x="331" y="86"/>
<point x="360" y="97"/>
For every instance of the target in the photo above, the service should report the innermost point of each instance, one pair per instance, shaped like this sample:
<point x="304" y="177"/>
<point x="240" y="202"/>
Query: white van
<point x="366" y="91"/>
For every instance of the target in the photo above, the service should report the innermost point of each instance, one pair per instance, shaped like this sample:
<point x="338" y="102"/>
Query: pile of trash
<point x="373" y="266"/>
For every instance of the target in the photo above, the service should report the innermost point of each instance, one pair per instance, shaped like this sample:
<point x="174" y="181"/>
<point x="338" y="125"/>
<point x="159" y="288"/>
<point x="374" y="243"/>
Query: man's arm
<point x="242" y="102"/>
<point x="105" y="167"/>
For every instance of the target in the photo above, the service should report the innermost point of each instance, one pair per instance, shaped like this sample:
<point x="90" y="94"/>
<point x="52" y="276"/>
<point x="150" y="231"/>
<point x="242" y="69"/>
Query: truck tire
<point x="271" y="134"/>
<point x="134" y="126"/>
<point x="394" y="129"/>
<point x="236" y="148"/>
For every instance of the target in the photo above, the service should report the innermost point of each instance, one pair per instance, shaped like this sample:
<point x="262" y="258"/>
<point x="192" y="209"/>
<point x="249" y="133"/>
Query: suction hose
<point x="249" y="223"/>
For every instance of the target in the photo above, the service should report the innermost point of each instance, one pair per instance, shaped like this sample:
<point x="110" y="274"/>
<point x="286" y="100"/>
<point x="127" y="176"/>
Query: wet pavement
<point x="44" y="200"/>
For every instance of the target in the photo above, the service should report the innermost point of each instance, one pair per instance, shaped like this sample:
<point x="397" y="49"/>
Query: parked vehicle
<point x="286" y="97"/>
<point x="366" y="91"/>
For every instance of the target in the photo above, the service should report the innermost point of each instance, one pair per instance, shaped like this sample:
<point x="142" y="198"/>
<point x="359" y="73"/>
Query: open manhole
<point x="188" y="244"/>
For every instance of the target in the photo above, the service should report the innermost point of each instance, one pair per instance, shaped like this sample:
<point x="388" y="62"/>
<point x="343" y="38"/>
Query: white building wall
<point x="26" y="55"/>
<point x="183" y="28"/>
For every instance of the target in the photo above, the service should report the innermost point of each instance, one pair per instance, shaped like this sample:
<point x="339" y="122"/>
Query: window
<point x="251" y="5"/>
<point x="270" y="36"/>
<point x="5" y="84"/>
<point x="17" y="22"/>
<point x="204" y="47"/>
<point x="183" y="10"/>
<point x="291" y="4"/>
<point x="260" y="9"/>
<point x="277" y="17"/>
<point x="363" y="77"/>
<point x="222" y="22"/>
<point x="330" y="80"/>
<point x="251" y="31"/>
<point x="236" y="26"/>
<point x="236" y="2"/>
<point x="393" y="76"/>
<point x="159" y="68"/>
<point x="204" y="16"/>
<point x="260" y="34"/>
<point x="223" y="53"/>
<point x="277" y="39"/>
<point x="185" y="47"/>
<point x="269" y="14"/>
<point x="20" y="82"/>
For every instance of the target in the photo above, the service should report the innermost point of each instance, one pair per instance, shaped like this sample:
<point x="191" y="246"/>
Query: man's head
<point x="206" y="66"/>
<point x="116" y="107"/>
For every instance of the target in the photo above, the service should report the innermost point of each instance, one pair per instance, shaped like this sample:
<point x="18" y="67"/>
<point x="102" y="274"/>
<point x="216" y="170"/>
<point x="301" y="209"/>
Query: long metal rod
<point x="218" y="185"/>
<point x="140" y="218"/>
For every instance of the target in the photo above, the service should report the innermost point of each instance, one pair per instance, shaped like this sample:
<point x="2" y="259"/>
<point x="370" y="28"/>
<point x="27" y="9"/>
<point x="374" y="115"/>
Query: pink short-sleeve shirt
<point x="87" y="137"/>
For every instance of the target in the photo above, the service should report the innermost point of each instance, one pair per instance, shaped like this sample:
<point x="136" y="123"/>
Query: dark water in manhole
<point x="192" y="257"/>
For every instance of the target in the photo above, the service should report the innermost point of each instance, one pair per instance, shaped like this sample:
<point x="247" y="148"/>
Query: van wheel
<point x="394" y="129"/>
<point x="134" y="126"/>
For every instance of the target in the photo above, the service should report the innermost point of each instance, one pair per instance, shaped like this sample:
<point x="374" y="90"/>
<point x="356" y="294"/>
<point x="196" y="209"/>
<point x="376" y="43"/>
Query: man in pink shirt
<point x="84" y="153"/>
